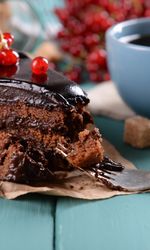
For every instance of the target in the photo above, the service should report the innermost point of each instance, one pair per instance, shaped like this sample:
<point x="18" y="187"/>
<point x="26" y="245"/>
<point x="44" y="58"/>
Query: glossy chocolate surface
<point x="53" y="87"/>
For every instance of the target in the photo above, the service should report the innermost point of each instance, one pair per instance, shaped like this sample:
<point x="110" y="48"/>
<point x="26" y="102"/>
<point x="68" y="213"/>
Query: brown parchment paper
<point x="77" y="184"/>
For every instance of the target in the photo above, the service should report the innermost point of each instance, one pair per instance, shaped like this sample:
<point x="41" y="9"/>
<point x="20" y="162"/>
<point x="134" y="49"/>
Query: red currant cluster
<point x="83" y="34"/>
<point x="8" y="56"/>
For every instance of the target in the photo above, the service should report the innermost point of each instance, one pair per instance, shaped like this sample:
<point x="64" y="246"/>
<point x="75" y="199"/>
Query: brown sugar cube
<point x="137" y="132"/>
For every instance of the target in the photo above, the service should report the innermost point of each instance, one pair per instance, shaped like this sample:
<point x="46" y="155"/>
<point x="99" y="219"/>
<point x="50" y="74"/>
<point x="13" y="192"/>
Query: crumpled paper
<point x="105" y="100"/>
<point x="76" y="184"/>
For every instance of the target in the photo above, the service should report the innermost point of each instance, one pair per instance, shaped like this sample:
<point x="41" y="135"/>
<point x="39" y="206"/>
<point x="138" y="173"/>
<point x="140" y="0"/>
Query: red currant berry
<point x="1" y="57"/>
<point x="65" y="46"/>
<point x="96" y="76"/>
<point x="103" y="3"/>
<point x="76" y="40"/>
<point x="146" y="4"/>
<point x="98" y="56"/>
<point x="62" y="34"/>
<point x="77" y="51"/>
<point x="8" y="57"/>
<point x="99" y="19"/>
<point x="11" y="70"/>
<point x="39" y="65"/>
<point x="106" y="77"/>
<point x="75" y="26"/>
<point x="62" y="14"/>
<point x="147" y="13"/>
<point x="9" y="38"/>
<point x="74" y="74"/>
<point x="92" y="67"/>
<point x="92" y="40"/>
<point x="119" y="17"/>
<point x="89" y="19"/>
<point x="112" y="7"/>
<point x="106" y="23"/>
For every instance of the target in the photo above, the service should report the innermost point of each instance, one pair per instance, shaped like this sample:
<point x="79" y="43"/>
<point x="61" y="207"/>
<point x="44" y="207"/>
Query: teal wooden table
<point x="37" y="222"/>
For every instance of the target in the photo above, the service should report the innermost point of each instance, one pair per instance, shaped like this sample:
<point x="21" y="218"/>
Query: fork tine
<point x="106" y="175"/>
<point x="98" y="174"/>
<point x="128" y="180"/>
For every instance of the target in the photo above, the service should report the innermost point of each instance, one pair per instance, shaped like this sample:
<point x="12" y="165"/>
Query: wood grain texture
<point x="27" y="223"/>
<point x="117" y="223"/>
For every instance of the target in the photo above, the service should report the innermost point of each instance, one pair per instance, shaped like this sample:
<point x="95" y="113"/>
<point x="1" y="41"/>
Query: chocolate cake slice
<point x="44" y="126"/>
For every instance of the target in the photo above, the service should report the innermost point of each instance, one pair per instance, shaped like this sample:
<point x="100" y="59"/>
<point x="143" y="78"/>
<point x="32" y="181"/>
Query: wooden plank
<point x="27" y="223"/>
<point x="117" y="223"/>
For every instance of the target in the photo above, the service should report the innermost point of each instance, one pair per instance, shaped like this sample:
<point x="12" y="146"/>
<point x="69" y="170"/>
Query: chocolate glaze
<point x="110" y="165"/>
<point x="31" y="162"/>
<point x="50" y="90"/>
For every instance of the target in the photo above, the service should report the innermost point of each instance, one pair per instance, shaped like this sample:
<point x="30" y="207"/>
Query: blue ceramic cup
<point x="129" y="64"/>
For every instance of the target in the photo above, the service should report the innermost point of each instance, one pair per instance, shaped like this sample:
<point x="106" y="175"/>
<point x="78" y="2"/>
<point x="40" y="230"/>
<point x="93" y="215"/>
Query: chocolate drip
<point x="106" y="165"/>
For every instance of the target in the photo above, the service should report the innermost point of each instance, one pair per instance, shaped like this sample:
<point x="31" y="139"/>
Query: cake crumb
<point x="137" y="132"/>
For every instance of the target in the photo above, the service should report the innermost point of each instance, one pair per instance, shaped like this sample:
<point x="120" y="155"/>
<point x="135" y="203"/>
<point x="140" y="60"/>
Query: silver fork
<point x="132" y="180"/>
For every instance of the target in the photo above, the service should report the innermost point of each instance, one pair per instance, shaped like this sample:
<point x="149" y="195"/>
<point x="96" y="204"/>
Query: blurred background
<point x="31" y="22"/>
<point x="70" y="33"/>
